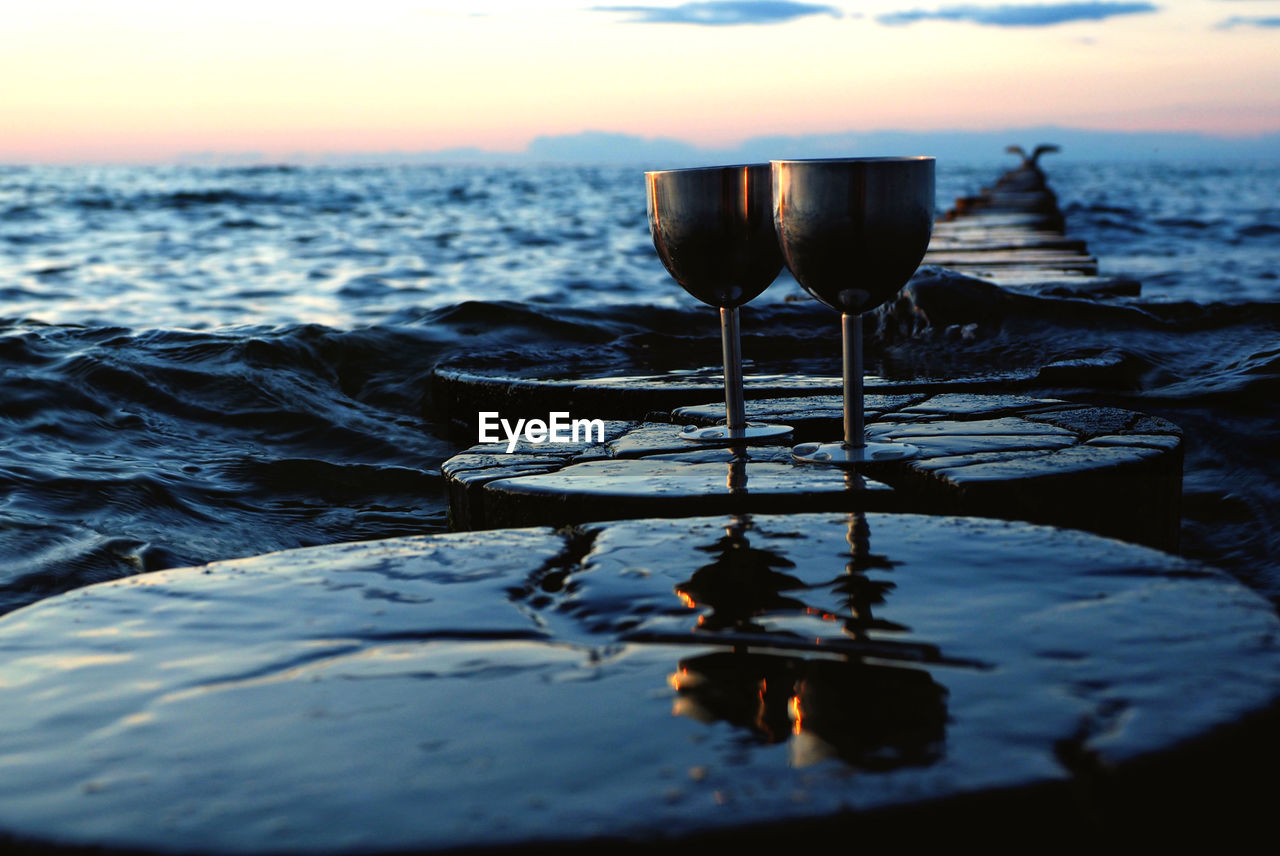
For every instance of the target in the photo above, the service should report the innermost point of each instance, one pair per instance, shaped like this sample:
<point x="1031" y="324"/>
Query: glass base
<point x="841" y="455"/>
<point x="722" y="433"/>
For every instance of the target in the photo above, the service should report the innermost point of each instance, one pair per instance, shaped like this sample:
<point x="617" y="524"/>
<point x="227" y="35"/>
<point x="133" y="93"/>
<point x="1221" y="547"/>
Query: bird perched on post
<point x="1032" y="162"/>
<point x="1028" y="177"/>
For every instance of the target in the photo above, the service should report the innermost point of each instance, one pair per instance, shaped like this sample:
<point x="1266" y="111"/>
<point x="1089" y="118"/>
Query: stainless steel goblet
<point x="853" y="231"/>
<point x="713" y="229"/>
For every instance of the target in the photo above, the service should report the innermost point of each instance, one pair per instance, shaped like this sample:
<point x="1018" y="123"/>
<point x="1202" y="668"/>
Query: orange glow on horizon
<point x="150" y="81"/>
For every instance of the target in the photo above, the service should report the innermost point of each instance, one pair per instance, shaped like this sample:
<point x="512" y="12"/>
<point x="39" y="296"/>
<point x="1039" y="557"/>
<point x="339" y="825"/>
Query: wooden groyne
<point x="684" y="647"/>
<point x="1014" y="226"/>
<point x="986" y="449"/>
<point x="1010" y="236"/>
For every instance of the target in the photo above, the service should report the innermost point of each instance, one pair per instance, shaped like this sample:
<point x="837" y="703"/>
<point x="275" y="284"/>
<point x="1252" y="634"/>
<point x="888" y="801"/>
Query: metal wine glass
<point x="713" y="229"/>
<point x="853" y="231"/>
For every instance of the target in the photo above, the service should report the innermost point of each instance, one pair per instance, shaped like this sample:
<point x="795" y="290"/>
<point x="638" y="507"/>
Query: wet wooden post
<point x="652" y="683"/>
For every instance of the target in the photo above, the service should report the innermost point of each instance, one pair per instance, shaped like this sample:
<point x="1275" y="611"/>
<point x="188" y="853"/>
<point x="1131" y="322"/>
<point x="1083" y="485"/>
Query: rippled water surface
<point x="201" y="363"/>
<point x="204" y="249"/>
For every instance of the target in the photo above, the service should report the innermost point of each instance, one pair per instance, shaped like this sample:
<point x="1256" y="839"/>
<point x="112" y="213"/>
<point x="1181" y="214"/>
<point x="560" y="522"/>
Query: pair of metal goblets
<point x="852" y="231"/>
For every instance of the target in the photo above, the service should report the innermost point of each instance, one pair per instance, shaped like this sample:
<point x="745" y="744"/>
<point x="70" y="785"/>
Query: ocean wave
<point x="142" y="450"/>
<point x="1258" y="230"/>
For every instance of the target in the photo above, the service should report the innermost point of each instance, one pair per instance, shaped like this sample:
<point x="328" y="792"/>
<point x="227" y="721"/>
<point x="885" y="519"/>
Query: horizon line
<point x="528" y="151"/>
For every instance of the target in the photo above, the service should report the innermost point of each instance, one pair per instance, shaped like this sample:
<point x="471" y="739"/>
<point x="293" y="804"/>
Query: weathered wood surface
<point x="640" y="683"/>
<point x="1105" y="470"/>
<point x="461" y="392"/>
<point x="465" y="387"/>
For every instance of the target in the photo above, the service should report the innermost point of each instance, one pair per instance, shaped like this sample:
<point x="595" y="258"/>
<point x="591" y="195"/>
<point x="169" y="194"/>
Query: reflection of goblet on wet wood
<point x="852" y="232"/>
<point x="713" y="230"/>
<point x="741" y="583"/>
<point x="872" y="715"/>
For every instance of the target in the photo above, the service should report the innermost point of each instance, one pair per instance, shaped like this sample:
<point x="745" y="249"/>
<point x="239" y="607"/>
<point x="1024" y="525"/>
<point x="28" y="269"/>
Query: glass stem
<point x="731" y="342"/>
<point x="855" y="433"/>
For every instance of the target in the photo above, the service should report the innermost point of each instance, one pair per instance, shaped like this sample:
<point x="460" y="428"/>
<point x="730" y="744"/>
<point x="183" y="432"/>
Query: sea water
<point x="200" y="364"/>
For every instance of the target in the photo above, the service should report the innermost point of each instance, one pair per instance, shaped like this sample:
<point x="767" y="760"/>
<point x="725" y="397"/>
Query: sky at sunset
<point x="151" y="81"/>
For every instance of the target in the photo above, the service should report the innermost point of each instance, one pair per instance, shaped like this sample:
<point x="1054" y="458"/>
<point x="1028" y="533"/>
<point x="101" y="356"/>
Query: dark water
<point x="205" y="364"/>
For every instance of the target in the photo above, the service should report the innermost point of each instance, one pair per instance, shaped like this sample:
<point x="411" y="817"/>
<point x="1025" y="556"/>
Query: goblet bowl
<point x="713" y="230"/>
<point x="853" y="231"/>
